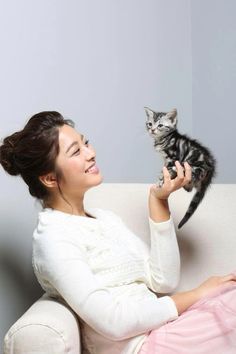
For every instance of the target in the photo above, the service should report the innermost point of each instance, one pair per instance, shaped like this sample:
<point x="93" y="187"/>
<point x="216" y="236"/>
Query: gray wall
<point x="99" y="63"/>
<point x="214" y="80"/>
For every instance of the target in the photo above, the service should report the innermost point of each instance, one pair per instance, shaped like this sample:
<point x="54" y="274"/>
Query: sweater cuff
<point x="161" y="226"/>
<point x="172" y="307"/>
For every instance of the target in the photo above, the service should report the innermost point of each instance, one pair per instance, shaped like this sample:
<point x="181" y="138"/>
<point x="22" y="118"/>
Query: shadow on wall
<point x="18" y="287"/>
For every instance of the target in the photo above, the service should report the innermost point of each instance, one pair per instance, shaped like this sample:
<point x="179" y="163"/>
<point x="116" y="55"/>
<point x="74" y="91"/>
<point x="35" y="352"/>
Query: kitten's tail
<point x="197" y="198"/>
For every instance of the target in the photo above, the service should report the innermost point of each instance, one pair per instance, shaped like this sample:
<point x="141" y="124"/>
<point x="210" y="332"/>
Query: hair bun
<point x="7" y="155"/>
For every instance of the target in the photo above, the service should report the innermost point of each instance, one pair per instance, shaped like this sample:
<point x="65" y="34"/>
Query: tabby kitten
<point x="172" y="145"/>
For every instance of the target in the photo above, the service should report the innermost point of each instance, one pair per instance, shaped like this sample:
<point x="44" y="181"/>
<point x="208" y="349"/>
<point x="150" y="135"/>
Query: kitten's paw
<point x="160" y="180"/>
<point x="160" y="183"/>
<point x="188" y="187"/>
<point x="172" y="172"/>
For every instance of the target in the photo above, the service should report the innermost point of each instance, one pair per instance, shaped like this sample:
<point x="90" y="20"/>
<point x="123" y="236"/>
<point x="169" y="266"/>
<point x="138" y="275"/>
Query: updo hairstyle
<point x="32" y="151"/>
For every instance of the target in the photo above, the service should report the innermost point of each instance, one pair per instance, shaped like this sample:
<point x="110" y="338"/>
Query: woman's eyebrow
<point x="74" y="143"/>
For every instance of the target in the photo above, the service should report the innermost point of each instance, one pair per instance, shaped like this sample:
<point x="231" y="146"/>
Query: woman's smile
<point x="93" y="169"/>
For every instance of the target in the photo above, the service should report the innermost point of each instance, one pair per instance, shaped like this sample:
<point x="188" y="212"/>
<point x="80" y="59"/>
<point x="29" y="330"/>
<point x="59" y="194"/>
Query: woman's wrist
<point x="159" y="193"/>
<point x="158" y="209"/>
<point x="185" y="299"/>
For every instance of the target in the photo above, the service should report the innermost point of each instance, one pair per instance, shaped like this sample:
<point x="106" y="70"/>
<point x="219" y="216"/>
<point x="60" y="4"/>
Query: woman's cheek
<point x="77" y="166"/>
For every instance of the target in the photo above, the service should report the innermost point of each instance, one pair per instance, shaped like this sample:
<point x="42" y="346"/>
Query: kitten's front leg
<point x="160" y="180"/>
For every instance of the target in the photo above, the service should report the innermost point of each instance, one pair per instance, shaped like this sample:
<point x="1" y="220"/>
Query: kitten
<point x="172" y="145"/>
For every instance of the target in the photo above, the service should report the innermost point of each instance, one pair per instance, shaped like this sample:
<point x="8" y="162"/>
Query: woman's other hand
<point x="185" y="299"/>
<point x="184" y="176"/>
<point x="214" y="282"/>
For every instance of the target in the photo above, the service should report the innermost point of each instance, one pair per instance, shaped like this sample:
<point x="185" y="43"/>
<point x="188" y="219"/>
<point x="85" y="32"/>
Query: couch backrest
<point x="207" y="241"/>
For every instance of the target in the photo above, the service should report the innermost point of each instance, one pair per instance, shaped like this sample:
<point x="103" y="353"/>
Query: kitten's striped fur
<point x="174" y="146"/>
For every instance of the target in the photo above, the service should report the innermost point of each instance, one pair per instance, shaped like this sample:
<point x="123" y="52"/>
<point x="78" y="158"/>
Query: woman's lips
<point x="93" y="169"/>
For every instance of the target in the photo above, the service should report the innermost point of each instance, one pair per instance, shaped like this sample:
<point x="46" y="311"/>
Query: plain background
<point x="99" y="62"/>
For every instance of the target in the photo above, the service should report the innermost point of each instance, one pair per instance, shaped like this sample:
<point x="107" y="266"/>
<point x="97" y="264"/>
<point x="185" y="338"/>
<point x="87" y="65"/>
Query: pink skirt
<point x="208" y="326"/>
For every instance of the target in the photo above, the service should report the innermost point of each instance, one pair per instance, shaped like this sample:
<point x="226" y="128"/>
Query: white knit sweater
<point x="108" y="275"/>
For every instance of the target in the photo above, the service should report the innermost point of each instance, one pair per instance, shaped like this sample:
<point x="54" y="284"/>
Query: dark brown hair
<point x="32" y="151"/>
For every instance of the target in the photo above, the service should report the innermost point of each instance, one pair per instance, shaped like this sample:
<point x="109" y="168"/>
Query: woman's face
<point x="75" y="158"/>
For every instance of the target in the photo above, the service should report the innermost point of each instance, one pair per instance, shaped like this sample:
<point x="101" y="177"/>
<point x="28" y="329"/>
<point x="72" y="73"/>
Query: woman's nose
<point x="89" y="152"/>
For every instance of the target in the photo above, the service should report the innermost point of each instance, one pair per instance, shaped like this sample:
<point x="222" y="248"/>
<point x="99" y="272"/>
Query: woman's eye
<point x="76" y="152"/>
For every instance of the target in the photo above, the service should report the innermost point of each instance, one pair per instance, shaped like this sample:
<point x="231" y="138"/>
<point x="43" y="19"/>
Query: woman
<point x="90" y="260"/>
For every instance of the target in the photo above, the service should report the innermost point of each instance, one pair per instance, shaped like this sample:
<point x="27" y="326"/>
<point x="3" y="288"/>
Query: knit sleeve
<point x="164" y="260"/>
<point x="63" y="265"/>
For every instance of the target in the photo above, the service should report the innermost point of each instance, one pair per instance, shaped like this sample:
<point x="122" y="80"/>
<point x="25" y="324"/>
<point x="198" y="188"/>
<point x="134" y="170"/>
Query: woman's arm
<point x="62" y="263"/>
<point x="158" y="208"/>
<point x="185" y="299"/>
<point x="159" y="213"/>
<point x="164" y="261"/>
<point x="164" y="258"/>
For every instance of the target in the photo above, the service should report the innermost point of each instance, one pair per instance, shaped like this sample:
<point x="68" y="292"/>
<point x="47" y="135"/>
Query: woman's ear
<point x="49" y="180"/>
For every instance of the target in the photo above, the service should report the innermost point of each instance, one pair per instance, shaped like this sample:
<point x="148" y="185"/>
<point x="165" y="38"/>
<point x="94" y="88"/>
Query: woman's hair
<point x="32" y="151"/>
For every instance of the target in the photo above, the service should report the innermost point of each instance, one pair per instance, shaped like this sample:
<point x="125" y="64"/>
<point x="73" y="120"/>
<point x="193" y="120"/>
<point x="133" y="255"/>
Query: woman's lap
<point x="208" y="325"/>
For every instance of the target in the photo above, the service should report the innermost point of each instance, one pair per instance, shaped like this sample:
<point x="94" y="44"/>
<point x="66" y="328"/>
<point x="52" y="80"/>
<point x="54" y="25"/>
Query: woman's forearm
<point x="158" y="209"/>
<point x="159" y="212"/>
<point x="185" y="299"/>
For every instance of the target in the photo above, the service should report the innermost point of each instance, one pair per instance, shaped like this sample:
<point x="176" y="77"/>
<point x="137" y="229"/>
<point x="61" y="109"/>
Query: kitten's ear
<point x="149" y="112"/>
<point x="173" y="115"/>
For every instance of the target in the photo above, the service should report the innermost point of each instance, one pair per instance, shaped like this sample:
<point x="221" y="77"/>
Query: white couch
<point x="207" y="245"/>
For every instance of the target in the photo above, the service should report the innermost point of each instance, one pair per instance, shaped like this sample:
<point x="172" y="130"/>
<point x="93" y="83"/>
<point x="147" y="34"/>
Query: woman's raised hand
<point x="184" y="176"/>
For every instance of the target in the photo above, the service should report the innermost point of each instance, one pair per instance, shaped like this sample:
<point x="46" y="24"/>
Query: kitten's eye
<point x="160" y="125"/>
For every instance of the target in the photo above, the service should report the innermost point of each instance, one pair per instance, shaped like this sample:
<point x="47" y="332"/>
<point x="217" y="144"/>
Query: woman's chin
<point x="98" y="179"/>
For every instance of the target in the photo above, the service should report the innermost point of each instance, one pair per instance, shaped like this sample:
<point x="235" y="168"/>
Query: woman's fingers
<point x="166" y="174"/>
<point x="180" y="172"/>
<point x="188" y="172"/>
<point x="184" y="174"/>
<point x="228" y="277"/>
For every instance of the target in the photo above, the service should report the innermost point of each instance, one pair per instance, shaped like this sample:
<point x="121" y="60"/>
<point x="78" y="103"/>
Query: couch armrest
<point x="47" y="327"/>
